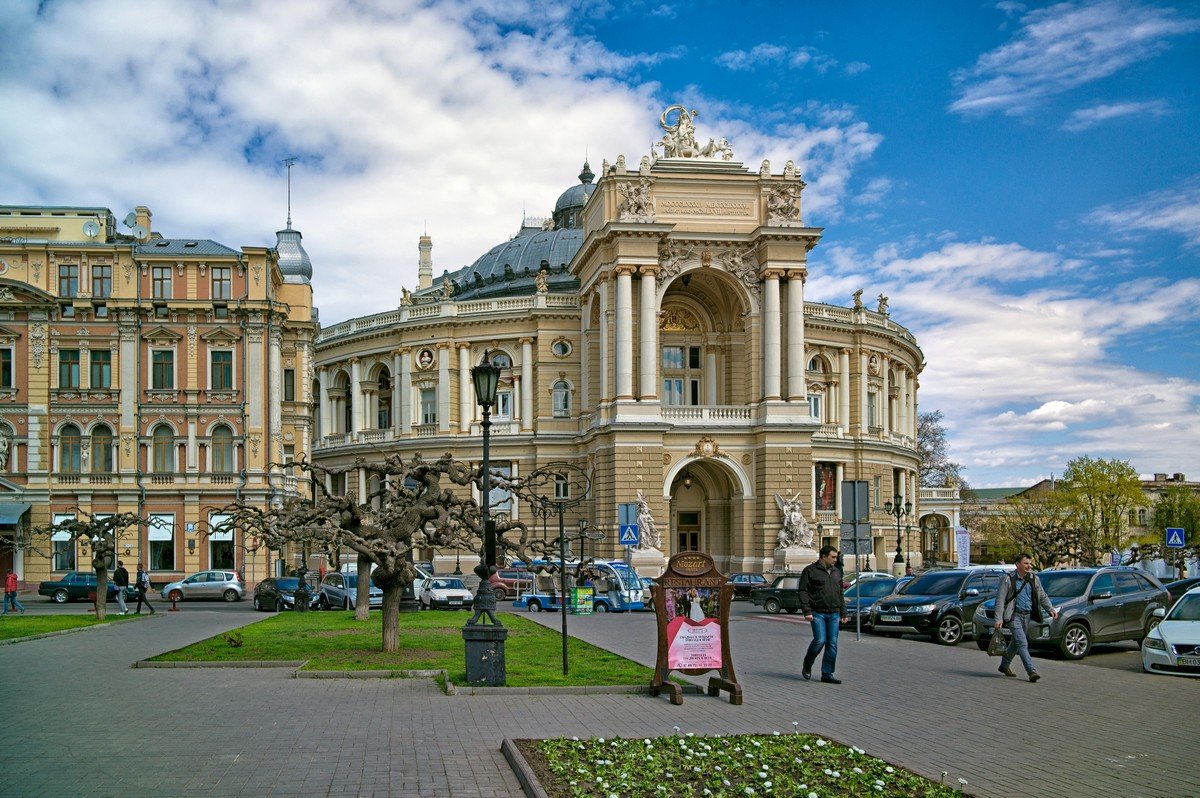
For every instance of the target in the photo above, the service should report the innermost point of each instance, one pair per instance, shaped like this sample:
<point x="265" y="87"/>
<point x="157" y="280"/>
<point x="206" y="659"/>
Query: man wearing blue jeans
<point x="1019" y="601"/>
<point x="823" y="605"/>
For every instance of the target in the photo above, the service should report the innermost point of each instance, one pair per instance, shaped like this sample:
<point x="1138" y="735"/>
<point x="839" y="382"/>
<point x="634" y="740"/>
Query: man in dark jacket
<point x="823" y="605"/>
<point x="121" y="580"/>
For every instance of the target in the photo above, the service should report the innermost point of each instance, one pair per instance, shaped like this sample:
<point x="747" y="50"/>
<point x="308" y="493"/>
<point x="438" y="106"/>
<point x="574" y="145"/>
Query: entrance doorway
<point x="687" y="532"/>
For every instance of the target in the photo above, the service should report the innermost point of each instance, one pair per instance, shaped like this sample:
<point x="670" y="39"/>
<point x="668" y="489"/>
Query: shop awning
<point x="10" y="514"/>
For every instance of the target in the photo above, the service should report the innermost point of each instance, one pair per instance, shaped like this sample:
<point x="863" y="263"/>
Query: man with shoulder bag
<point x="1020" y="600"/>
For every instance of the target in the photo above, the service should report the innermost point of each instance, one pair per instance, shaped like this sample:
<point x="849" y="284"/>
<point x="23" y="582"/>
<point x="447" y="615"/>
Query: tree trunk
<point x="362" y="596"/>
<point x="101" y="593"/>
<point x="391" y="616"/>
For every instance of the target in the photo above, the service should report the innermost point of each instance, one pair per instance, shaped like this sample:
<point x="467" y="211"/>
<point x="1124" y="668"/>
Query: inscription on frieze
<point x="705" y="207"/>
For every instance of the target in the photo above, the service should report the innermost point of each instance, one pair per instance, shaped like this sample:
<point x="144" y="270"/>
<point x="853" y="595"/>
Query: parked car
<point x="1181" y="586"/>
<point x="79" y="585"/>
<point x="340" y="592"/>
<point x="743" y="583"/>
<point x="508" y="583"/>
<point x="445" y="592"/>
<point x="940" y="604"/>
<point x="1095" y="605"/>
<point x="1173" y="646"/>
<point x="902" y="581"/>
<point x="850" y="577"/>
<point x="220" y="584"/>
<point x="863" y="595"/>
<point x="782" y="594"/>
<point x="279" y="593"/>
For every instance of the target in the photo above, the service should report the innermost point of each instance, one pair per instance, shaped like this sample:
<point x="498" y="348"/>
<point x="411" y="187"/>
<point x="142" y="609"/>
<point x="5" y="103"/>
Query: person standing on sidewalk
<point x="1020" y="600"/>
<point x="121" y="580"/>
<point x="823" y="605"/>
<point x="143" y="584"/>
<point x="10" y="593"/>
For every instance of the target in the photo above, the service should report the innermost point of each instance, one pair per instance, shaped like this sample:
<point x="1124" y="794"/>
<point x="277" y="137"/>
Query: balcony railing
<point x="707" y="415"/>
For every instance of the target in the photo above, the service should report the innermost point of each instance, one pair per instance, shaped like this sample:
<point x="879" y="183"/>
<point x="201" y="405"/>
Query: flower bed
<point x="736" y="765"/>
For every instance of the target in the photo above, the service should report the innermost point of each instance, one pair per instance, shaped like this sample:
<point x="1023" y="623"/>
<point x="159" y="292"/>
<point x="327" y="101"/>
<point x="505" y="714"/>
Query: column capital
<point x="352" y="360"/>
<point x="772" y="274"/>
<point x="649" y="270"/>
<point x="845" y="350"/>
<point x="403" y="351"/>
<point x="442" y="345"/>
<point x="798" y="274"/>
<point x="462" y="345"/>
<point x="526" y="340"/>
<point x="624" y="268"/>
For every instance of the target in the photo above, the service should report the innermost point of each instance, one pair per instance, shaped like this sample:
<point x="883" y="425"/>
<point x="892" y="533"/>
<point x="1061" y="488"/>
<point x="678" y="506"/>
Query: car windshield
<point x="1065" y="584"/>
<point x="629" y="577"/>
<point x="871" y="588"/>
<point x="290" y="583"/>
<point x="934" y="584"/>
<point x="447" y="584"/>
<point x="1186" y="609"/>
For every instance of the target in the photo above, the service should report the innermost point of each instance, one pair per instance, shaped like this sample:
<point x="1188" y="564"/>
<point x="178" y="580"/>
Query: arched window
<point x="222" y="450"/>
<point x="70" y="450"/>
<point x="816" y="364"/>
<point x="562" y="399"/>
<point x="383" y="417"/>
<point x="164" y="449"/>
<point x="500" y="360"/>
<point x="102" y="450"/>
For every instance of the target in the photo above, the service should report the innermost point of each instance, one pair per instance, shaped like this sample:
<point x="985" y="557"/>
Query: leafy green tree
<point x="1101" y="493"/>
<point x="1043" y="524"/>
<point x="937" y="469"/>
<point x="1176" y="506"/>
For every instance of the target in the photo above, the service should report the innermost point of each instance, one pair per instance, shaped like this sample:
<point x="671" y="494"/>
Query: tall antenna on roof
<point x="288" y="163"/>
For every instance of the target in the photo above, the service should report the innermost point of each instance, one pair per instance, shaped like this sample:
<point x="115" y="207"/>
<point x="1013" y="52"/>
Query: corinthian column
<point x="648" y="336"/>
<point x="356" y="396"/>
<point x="624" y="332"/>
<point x="527" y="383"/>
<point x="796" y="389"/>
<point x="323" y="378"/>
<point x="605" y="356"/>
<point x="844" y="390"/>
<point x="770" y="334"/>
<point x="465" y="392"/>
<point x="443" y="389"/>
<point x="406" y="389"/>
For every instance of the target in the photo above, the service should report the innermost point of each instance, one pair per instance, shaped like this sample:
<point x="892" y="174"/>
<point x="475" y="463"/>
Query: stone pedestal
<point x="794" y="560"/>
<point x="485" y="655"/>
<point x="648" y="562"/>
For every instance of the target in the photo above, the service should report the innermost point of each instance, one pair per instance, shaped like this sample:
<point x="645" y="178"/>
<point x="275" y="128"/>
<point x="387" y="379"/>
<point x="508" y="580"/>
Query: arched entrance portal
<point x="936" y="539"/>
<point x="705" y="500"/>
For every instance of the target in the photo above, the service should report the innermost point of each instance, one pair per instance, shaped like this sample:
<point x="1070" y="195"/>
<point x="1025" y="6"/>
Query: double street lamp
<point x="486" y="378"/>
<point x="898" y="509"/>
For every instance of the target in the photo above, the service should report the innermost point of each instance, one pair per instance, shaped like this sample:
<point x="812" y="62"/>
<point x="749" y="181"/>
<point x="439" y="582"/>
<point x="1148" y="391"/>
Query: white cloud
<point x="1173" y="210"/>
<point x="766" y="54"/>
<point x="1062" y="47"/>
<point x="1084" y="118"/>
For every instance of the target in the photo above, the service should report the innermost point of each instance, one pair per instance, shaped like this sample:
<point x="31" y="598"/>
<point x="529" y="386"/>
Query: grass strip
<point x="720" y="766"/>
<point x="335" y="641"/>
<point x="14" y="626"/>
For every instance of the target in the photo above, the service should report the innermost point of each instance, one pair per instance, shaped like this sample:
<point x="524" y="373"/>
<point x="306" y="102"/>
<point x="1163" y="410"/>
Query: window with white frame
<point x="221" y="370"/>
<point x="872" y="409"/>
<point x="163" y="449"/>
<point x="162" y="369"/>
<point x="222" y="282"/>
<point x="500" y="500"/>
<point x="561" y="399"/>
<point x="815" y="406"/>
<point x="500" y="360"/>
<point x="222" y="449"/>
<point x="429" y="406"/>
<point x="161" y="536"/>
<point x="220" y="541"/>
<point x="681" y="375"/>
<point x="63" y="543"/>
<point x="503" y="409"/>
<point x="562" y="488"/>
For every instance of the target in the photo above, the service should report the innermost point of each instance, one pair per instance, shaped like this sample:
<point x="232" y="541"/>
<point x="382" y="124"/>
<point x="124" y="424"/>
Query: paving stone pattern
<point x="81" y="721"/>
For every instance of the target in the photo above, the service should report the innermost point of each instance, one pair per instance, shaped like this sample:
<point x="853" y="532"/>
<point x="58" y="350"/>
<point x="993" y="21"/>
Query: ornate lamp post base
<point x="485" y="655"/>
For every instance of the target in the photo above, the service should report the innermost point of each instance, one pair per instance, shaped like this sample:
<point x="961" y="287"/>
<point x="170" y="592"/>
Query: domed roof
<point x="577" y="196"/>
<point x="510" y="268"/>
<point x="293" y="260"/>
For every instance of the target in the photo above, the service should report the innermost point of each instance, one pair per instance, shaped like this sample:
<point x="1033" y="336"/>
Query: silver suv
<point x="220" y="584"/>
<point x="1095" y="605"/>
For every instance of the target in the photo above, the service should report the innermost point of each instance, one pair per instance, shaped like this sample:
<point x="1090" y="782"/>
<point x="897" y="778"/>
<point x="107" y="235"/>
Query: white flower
<point x="836" y="774"/>
<point x="813" y="795"/>
<point x="858" y="770"/>
<point x="828" y="772"/>
<point x="600" y="740"/>
<point x="691" y="734"/>
<point x="806" y="748"/>
<point x="717" y="767"/>
<point x="878" y="782"/>
<point x="576" y="739"/>
<point x="749" y="791"/>
<point x="774" y="734"/>
<point x="963" y="782"/>
<point x="696" y="769"/>
<point x="879" y="787"/>
<point x="762" y="774"/>
<point x="613" y="795"/>
<point x="820" y="742"/>
<point x="767" y="784"/>
<point x="646" y="741"/>
<point x="889" y="769"/>
<point x="725" y="782"/>
<point x="796" y="724"/>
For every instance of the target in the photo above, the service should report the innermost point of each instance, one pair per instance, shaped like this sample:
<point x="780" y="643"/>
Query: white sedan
<point x="1173" y="647"/>
<point x="445" y="592"/>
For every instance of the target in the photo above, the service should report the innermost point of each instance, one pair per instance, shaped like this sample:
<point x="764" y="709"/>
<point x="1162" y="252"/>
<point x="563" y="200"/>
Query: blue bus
<point x="617" y="589"/>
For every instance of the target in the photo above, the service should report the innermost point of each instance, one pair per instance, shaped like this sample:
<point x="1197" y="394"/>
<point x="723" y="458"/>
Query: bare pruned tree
<point x="98" y="531"/>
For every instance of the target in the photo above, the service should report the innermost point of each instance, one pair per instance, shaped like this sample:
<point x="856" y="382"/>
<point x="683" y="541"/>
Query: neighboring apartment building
<point x="146" y="374"/>
<point x="654" y="332"/>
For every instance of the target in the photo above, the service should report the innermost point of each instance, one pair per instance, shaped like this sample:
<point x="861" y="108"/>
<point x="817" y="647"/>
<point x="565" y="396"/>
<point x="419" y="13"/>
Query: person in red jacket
<point x="10" y="593"/>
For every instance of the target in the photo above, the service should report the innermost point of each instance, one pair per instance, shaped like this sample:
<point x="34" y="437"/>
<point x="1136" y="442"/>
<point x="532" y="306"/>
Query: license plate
<point x="1192" y="661"/>
<point x="890" y="618"/>
<point x="455" y="601"/>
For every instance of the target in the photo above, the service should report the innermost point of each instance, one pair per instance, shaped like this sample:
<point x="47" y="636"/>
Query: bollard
<point x="174" y="602"/>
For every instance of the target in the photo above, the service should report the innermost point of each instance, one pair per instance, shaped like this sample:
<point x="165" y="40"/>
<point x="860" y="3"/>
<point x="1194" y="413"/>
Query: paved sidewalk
<point x="82" y="722"/>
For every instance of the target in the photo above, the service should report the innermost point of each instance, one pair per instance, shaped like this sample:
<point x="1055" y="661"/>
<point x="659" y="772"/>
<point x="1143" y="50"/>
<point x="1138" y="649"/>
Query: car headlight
<point x="922" y="608"/>
<point x="1155" y="642"/>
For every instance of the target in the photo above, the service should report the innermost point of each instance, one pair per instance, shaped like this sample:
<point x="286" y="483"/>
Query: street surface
<point x="80" y="721"/>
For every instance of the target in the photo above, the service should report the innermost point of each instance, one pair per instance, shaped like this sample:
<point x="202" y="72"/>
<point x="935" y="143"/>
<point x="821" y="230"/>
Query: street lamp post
<point x="898" y="509"/>
<point x="485" y="642"/>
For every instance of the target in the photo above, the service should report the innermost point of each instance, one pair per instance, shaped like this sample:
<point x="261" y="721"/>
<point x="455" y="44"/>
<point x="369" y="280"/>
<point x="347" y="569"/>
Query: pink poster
<point x="693" y="644"/>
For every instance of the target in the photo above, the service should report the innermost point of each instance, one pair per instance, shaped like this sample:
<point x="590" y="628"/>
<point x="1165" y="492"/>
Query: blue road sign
<point x="1175" y="537"/>
<point x="629" y="535"/>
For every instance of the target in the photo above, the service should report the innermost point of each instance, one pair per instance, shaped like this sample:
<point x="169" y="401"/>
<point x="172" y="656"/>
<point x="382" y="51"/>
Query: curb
<point x="616" y="689"/>
<point x="426" y="674"/>
<point x="249" y="663"/>
<point x="57" y="633"/>
<point x="521" y="769"/>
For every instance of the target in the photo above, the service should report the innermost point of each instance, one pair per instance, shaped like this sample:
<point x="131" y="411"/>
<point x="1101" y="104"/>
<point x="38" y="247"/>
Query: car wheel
<point x="983" y="642"/>
<point x="600" y="606"/>
<point x="175" y="595"/>
<point x="1076" y="641"/>
<point x="230" y="595"/>
<point x="1152" y="624"/>
<point x="257" y="605"/>
<point x="949" y="631"/>
<point x="535" y="606"/>
<point x="500" y="594"/>
<point x="772" y="606"/>
<point x="60" y="597"/>
<point x="346" y="603"/>
<point x="323" y="602"/>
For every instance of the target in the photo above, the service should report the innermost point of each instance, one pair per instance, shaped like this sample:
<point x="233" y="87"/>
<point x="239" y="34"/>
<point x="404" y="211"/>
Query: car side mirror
<point x="1100" y="596"/>
<point x="971" y="591"/>
<point x="1159" y="612"/>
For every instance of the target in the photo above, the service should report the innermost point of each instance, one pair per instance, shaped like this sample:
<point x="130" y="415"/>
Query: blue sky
<point x="1021" y="180"/>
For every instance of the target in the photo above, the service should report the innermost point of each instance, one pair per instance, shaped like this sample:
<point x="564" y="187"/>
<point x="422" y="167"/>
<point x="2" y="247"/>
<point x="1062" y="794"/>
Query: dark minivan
<point x="940" y="604"/>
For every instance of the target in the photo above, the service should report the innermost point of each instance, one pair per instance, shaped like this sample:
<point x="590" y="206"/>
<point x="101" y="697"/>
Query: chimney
<point x="1160" y="477"/>
<point x="143" y="218"/>
<point x="425" y="264"/>
<point x="1179" y="477"/>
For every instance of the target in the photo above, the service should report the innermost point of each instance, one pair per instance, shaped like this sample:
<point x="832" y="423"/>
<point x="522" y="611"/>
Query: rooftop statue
<point x="679" y="139"/>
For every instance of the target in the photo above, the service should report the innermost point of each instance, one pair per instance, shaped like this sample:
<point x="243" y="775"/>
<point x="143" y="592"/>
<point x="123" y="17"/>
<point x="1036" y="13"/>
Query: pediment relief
<point x="13" y="292"/>
<point x="678" y="320"/>
<point x="161" y="335"/>
<point x="8" y="336"/>
<point x="220" y="336"/>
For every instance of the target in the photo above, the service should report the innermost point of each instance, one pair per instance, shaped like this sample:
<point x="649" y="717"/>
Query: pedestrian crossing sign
<point x="629" y="535"/>
<point x="1175" y="538"/>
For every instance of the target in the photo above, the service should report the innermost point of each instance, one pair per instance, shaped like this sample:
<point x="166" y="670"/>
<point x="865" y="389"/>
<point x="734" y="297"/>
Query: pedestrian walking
<point x="823" y="605"/>
<point x="1019" y="601"/>
<point x="10" y="593"/>
<point x="143" y="584"/>
<point x="121" y="580"/>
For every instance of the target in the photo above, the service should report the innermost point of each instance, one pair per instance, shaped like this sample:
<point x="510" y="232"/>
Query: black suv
<point x="782" y="594"/>
<point x="1095" y="605"/>
<point x="940" y="604"/>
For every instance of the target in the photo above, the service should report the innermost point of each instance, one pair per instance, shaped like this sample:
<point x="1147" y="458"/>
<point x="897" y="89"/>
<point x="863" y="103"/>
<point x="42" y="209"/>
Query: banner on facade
<point x="962" y="544"/>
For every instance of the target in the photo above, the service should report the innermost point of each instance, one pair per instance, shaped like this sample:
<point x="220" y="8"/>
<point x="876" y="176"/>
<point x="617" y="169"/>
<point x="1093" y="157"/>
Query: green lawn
<point x="428" y="640"/>
<point x="12" y="626"/>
